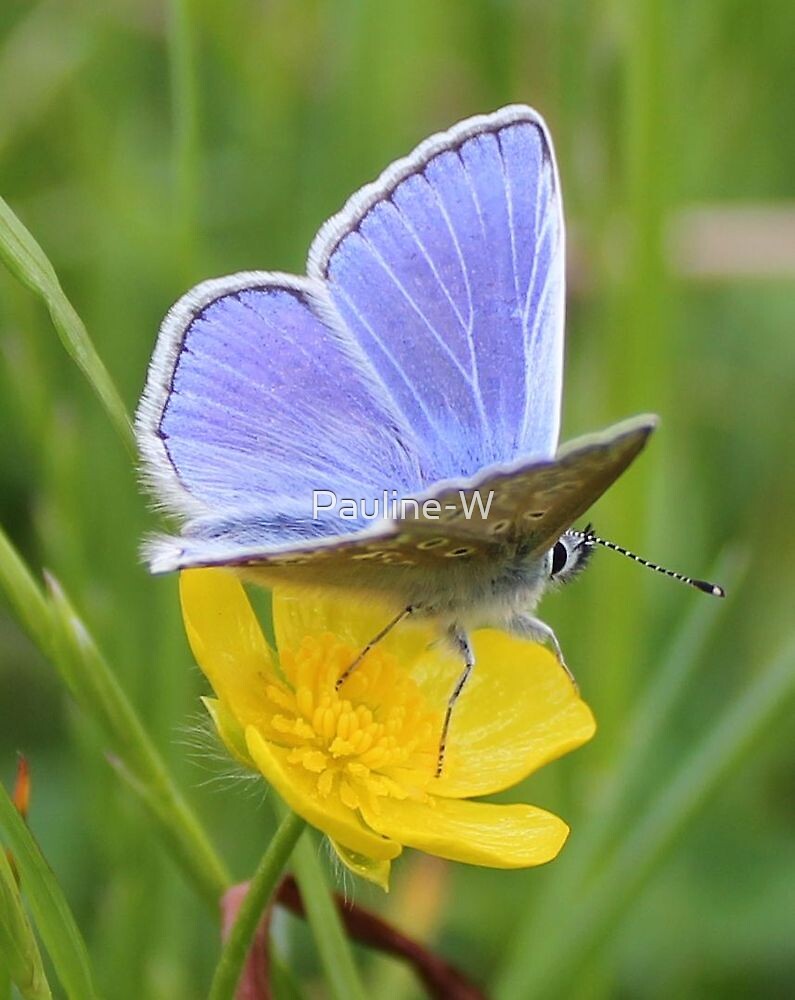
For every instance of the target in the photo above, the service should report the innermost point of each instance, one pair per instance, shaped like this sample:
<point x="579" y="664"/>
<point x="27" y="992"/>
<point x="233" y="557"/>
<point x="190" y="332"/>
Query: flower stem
<point x="260" y="890"/>
<point x="332" y="942"/>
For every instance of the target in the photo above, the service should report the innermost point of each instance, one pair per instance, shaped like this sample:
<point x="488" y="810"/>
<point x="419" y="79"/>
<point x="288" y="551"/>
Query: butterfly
<point x="420" y="357"/>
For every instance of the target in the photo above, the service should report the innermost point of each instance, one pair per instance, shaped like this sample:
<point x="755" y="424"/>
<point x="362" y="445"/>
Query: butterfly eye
<point x="560" y="556"/>
<point x="569" y="555"/>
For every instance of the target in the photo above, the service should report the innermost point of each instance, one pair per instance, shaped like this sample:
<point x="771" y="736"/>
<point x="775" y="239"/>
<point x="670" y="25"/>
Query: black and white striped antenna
<point x="589" y="537"/>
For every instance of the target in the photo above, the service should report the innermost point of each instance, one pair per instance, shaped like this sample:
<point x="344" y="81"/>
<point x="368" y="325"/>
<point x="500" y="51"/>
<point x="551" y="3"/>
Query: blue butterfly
<point x="421" y="357"/>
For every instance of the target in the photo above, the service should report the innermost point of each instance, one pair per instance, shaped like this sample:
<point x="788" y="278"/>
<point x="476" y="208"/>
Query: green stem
<point x="260" y="890"/>
<point x="332" y="942"/>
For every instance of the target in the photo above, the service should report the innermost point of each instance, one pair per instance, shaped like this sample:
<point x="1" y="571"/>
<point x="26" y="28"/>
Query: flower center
<point x="372" y="738"/>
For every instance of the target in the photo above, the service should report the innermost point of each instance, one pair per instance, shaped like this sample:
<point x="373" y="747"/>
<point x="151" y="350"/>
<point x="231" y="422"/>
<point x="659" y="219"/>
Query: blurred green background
<point x="149" y="145"/>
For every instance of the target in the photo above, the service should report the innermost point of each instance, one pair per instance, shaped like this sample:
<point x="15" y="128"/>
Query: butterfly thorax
<point x="470" y="590"/>
<point x="488" y="594"/>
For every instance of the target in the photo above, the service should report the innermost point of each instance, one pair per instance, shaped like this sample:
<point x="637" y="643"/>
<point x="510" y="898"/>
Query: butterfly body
<point x="473" y="593"/>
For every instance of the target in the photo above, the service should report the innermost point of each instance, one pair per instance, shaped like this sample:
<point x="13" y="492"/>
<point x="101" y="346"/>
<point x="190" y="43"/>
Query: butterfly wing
<point x="252" y="402"/>
<point x="449" y="273"/>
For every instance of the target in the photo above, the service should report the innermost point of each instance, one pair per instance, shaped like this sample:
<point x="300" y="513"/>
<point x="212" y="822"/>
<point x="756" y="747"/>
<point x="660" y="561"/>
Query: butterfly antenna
<point x="589" y="537"/>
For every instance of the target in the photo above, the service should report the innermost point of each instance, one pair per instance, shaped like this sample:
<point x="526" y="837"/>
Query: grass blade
<point x="26" y="260"/>
<point x="646" y="724"/>
<point x="569" y="943"/>
<point x="98" y="690"/>
<point x="51" y="913"/>
<point x="26" y="598"/>
<point x="19" y="952"/>
<point x="55" y="627"/>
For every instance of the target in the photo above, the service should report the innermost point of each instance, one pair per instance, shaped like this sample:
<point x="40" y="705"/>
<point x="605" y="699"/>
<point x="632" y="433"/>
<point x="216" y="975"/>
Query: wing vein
<point x="462" y="263"/>
<point x="508" y="187"/>
<point x="429" y="260"/>
<point x="530" y="342"/>
<point x="409" y="298"/>
<point x="391" y="358"/>
<point x="487" y="430"/>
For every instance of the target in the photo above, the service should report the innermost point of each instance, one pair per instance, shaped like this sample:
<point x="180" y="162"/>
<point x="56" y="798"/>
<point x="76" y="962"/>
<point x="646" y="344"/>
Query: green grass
<point x="146" y="146"/>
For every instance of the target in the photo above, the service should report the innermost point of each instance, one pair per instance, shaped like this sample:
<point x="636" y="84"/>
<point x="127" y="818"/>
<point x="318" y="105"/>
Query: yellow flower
<point x="359" y="763"/>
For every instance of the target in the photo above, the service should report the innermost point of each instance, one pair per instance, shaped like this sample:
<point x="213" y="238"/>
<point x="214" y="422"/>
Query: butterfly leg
<point x="533" y="628"/>
<point x="461" y="642"/>
<point x="346" y="673"/>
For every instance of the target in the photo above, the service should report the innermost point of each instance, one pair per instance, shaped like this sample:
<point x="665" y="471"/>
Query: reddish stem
<point x="442" y="980"/>
<point x="255" y="978"/>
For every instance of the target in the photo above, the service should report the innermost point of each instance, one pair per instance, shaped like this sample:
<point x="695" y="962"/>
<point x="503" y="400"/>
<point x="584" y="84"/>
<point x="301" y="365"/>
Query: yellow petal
<point x="298" y="788"/>
<point x="227" y="641"/>
<point x="518" y="711"/>
<point x="477" y="833"/>
<point x="373" y="871"/>
<point x="355" y="619"/>
<point x="229" y="730"/>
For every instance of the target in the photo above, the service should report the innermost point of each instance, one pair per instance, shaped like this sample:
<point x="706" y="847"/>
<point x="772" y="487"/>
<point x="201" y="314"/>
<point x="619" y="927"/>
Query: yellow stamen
<point x="375" y="741"/>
